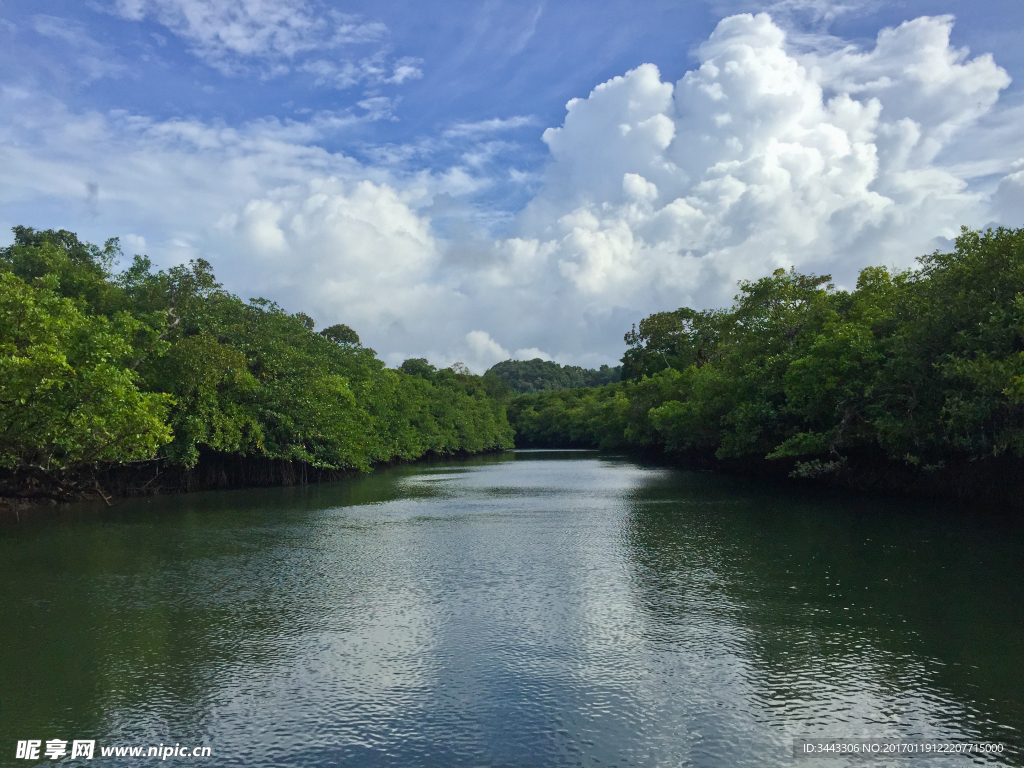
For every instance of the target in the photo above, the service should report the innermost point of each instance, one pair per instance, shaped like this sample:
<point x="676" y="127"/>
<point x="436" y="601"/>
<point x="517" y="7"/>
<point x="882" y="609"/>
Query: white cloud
<point x="661" y="194"/>
<point x="227" y="32"/>
<point x="275" y="215"/>
<point x="372" y="70"/>
<point x="484" y="351"/>
<point x="133" y="243"/>
<point x="404" y="69"/>
<point x="484" y="127"/>
<point x="819" y="13"/>
<point x="365" y="254"/>
<point x="530" y="354"/>
<point x="275" y="37"/>
<point x="480" y="351"/>
<point x="1008" y="200"/>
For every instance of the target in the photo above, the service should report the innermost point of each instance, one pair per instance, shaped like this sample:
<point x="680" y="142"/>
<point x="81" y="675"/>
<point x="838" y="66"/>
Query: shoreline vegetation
<point x="913" y="382"/>
<point x="141" y="382"/>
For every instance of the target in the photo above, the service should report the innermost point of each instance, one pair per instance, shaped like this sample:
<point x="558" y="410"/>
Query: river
<point x="534" y="608"/>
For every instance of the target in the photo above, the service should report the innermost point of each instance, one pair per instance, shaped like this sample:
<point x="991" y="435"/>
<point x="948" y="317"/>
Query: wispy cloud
<point x="529" y="32"/>
<point x="230" y="33"/>
<point x="94" y="59"/>
<point x="369" y="71"/>
<point x="494" y="125"/>
<point x="819" y="13"/>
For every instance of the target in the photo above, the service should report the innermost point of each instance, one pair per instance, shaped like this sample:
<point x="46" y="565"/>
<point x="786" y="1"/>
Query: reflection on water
<point x="533" y="609"/>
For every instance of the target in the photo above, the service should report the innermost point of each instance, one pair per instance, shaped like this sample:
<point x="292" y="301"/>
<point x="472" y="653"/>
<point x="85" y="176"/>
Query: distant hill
<point x="525" y="376"/>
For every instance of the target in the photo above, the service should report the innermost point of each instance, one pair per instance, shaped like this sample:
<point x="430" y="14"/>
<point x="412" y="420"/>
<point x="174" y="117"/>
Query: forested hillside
<point x="525" y="376"/>
<point x="913" y="379"/>
<point x="148" y="379"/>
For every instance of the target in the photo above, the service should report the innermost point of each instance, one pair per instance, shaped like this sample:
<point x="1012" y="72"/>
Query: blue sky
<point x="387" y="164"/>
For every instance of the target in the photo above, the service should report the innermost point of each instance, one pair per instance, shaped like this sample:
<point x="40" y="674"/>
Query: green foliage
<point x="420" y="368"/>
<point x="104" y="368"/>
<point x="341" y="334"/>
<point x="82" y="270"/>
<point x="525" y="376"/>
<point x="672" y="340"/>
<point x="571" y="418"/>
<point x="66" y="395"/>
<point x="917" y="367"/>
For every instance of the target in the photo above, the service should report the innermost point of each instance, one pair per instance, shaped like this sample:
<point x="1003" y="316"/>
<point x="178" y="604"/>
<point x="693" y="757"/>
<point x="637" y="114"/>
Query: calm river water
<point x="527" y="609"/>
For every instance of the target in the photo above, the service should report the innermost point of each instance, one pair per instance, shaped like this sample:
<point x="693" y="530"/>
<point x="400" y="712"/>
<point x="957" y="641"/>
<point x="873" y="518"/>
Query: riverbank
<point x="991" y="482"/>
<point x="120" y="383"/>
<point x="912" y="382"/>
<point x="212" y="472"/>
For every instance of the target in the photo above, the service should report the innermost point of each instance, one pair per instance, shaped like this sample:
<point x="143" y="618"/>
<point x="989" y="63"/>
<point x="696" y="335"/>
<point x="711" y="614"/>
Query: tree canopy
<point x="101" y="368"/>
<point x="524" y="376"/>
<point x="919" y="369"/>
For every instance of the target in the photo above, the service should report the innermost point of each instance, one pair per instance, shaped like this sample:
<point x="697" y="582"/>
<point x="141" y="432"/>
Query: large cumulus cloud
<point x="660" y="194"/>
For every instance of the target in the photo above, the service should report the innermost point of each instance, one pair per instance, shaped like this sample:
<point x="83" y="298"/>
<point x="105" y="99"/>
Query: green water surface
<point x="526" y="609"/>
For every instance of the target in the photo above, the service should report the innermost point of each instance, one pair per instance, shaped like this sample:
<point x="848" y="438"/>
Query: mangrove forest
<point x="913" y="380"/>
<point x="145" y="380"/>
<point x="142" y="380"/>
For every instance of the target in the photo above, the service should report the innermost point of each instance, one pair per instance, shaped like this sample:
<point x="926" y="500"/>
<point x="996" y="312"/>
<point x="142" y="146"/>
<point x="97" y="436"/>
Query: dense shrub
<point x="919" y="368"/>
<point x="100" y="368"/>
